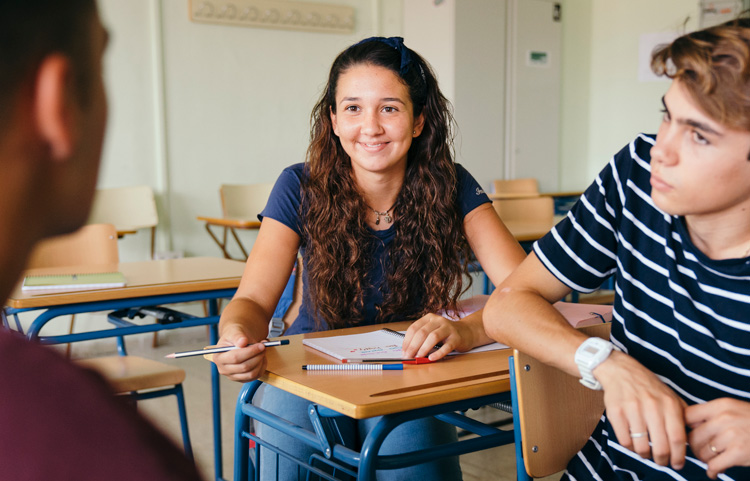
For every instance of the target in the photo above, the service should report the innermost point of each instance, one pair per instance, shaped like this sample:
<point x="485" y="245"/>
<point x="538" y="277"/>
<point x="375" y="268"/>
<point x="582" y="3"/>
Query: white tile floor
<point x="494" y="464"/>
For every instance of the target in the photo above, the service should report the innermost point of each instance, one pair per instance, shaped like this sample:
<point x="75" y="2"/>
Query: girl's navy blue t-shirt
<point x="283" y="206"/>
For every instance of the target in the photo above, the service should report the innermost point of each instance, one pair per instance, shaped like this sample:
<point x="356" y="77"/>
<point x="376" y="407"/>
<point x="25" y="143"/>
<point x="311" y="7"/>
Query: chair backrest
<point x="93" y="244"/>
<point x="556" y="413"/>
<point x="529" y="209"/>
<point x="243" y="201"/>
<point x="527" y="185"/>
<point x="127" y="208"/>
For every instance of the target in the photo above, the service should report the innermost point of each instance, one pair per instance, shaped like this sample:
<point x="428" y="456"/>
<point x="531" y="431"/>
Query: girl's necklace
<point x="386" y="215"/>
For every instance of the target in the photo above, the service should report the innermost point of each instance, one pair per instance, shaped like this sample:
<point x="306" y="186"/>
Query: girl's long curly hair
<point x="427" y="259"/>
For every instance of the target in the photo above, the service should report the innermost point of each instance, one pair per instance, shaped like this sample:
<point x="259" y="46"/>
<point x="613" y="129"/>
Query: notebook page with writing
<point x="380" y="344"/>
<point x="386" y="344"/>
<point x="376" y="344"/>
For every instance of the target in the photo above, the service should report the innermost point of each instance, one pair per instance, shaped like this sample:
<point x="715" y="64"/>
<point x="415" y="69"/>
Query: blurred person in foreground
<point x="58" y="421"/>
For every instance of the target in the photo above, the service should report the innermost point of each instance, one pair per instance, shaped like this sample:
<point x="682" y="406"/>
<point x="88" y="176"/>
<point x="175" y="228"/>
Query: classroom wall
<point x="604" y="104"/>
<point x="196" y="105"/>
<point x="464" y="42"/>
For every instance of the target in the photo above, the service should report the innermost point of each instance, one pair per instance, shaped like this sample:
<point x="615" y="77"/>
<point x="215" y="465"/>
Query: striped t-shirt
<point x="682" y="315"/>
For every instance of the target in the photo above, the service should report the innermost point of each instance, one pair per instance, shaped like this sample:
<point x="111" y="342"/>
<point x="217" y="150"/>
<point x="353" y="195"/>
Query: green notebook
<point x="101" y="280"/>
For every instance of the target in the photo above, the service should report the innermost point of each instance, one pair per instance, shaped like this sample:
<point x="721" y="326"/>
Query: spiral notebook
<point x="386" y="344"/>
<point x="69" y="282"/>
<point x="380" y="344"/>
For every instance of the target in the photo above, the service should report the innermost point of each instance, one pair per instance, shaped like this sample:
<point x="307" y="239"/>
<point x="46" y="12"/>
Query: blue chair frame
<point x="360" y="464"/>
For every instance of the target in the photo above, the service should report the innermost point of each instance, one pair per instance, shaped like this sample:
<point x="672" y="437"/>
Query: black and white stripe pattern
<point x="684" y="316"/>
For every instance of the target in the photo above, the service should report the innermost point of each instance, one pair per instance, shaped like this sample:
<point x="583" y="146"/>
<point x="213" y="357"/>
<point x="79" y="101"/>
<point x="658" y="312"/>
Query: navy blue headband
<point x="407" y="59"/>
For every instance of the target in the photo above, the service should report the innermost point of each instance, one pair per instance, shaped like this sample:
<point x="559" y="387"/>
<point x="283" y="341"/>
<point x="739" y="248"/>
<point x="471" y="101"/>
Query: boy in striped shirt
<point x="669" y="217"/>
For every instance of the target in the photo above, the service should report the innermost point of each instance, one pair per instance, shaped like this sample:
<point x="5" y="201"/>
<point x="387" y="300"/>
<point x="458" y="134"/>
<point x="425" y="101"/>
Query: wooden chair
<point x="527" y="218"/>
<point x="533" y="210"/>
<point x="94" y="245"/>
<point x="129" y="209"/>
<point x="240" y="206"/>
<point x="243" y="202"/>
<point x="527" y="185"/>
<point x="137" y="377"/>
<point x="553" y="413"/>
<point x="140" y="378"/>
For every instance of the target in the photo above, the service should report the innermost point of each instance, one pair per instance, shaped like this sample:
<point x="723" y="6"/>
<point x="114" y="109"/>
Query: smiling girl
<point x="385" y="222"/>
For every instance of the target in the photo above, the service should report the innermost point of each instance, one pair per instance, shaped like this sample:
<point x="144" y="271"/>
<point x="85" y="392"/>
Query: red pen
<point x="419" y="360"/>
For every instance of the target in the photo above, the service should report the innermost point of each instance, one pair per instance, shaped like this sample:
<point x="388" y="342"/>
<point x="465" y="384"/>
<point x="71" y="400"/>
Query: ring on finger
<point x="638" y="435"/>
<point x="713" y="449"/>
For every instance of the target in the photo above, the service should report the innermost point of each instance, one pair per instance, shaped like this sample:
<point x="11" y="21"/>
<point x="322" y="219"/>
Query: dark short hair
<point x="30" y="30"/>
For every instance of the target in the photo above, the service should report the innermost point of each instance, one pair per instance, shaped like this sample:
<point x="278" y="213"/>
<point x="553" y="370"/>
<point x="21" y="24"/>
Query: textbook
<point x="64" y="282"/>
<point x="386" y="344"/>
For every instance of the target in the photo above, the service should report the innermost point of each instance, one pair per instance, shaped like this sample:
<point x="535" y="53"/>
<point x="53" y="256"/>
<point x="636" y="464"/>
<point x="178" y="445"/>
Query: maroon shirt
<point x="59" y="421"/>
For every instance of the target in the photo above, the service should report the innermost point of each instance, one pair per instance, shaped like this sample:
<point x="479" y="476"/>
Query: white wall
<point x="479" y="98"/>
<point x="430" y="30"/>
<point x="464" y="41"/>
<point x="576" y="89"/>
<point x="196" y="105"/>
<point x="620" y="106"/>
<point x="236" y="104"/>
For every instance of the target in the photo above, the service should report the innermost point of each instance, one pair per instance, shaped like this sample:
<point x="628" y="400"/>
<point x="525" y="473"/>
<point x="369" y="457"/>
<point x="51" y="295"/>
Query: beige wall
<point x="605" y="105"/>
<point x="196" y="105"/>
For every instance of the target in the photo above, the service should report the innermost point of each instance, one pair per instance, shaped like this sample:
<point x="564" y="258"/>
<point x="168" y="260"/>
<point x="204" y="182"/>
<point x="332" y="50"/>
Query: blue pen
<point x="353" y="367"/>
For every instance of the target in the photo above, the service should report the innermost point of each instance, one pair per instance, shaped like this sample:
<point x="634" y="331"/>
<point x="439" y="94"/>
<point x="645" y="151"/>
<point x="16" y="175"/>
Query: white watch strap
<point x="592" y="352"/>
<point x="588" y="380"/>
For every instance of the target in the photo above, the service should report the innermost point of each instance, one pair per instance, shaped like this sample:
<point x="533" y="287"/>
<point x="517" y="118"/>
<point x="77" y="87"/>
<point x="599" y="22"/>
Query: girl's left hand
<point x="426" y="333"/>
<point x="720" y="434"/>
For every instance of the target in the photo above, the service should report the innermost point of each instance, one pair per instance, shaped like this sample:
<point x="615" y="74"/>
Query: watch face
<point x="590" y="349"/>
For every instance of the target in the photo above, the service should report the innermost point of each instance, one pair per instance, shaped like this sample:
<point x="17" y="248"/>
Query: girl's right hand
<point x="241" y="365"/>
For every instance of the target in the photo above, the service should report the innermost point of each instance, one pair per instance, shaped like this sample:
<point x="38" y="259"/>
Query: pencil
<point x="216" y="350"/>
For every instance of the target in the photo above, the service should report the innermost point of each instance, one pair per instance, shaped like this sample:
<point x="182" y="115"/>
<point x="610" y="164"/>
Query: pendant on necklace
<point x="386" y="215"/>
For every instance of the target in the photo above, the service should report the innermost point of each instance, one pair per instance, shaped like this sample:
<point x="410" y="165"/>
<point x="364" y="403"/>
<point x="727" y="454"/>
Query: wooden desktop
<point x="369" y="394"/>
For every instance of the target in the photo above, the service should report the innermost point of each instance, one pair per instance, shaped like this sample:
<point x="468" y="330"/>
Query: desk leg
<point x="216" y="394"/>
<point x="4" y="317"/>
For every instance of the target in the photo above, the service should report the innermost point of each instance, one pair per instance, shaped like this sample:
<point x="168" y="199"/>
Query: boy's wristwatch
<point x="592" y="352"/>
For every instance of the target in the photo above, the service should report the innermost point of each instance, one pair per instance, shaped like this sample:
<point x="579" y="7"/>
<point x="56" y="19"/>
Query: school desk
<point x="529" y="231"/>
<point x="228" y="224"/>
<point x="523" y="195"/>
<point x="442" y="389"/>
<point x="149" y="283"/>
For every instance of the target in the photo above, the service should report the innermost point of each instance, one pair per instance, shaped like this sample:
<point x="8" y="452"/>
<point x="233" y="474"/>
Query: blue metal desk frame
<point x="364" y="463"/>
<point x="125" y="329"/>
